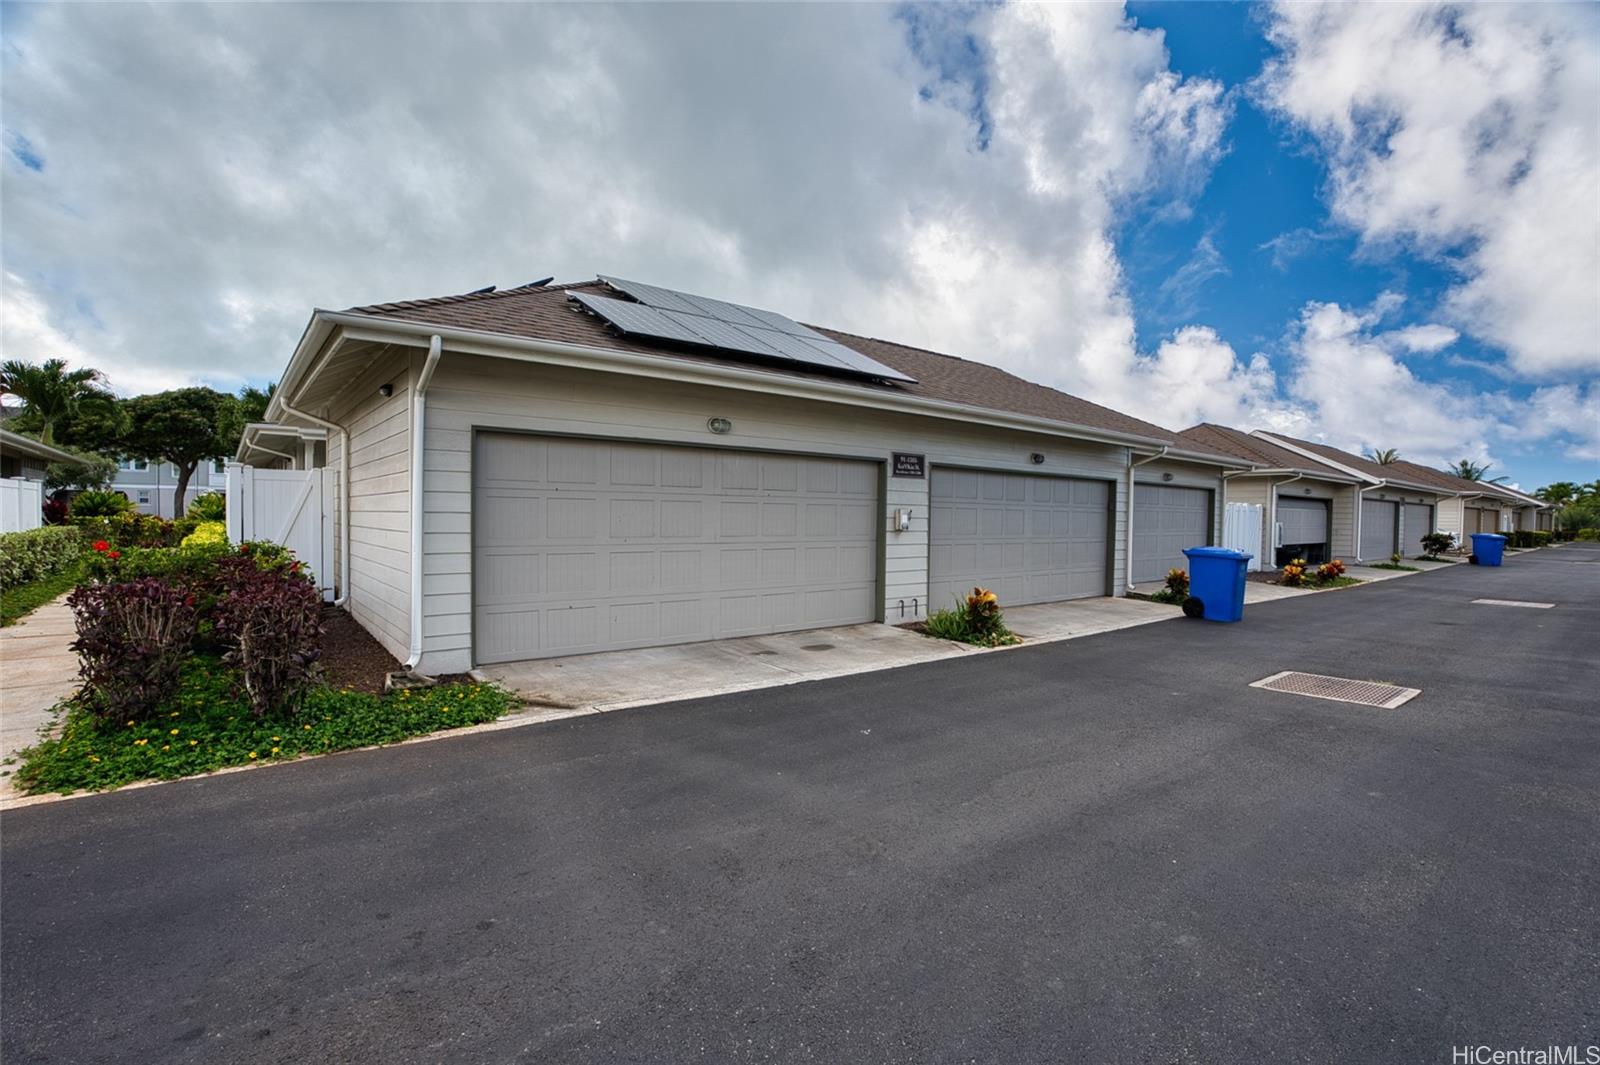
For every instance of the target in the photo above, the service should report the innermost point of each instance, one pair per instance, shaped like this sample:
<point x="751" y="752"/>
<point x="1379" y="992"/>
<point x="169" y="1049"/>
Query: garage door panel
<point x="1304" y="521"/>
<point x="1418" y="518"/>
<point x="1030" y="538"/>
<point x="1379" y="527"/>
<point x="663" y="545"/>
<point x="1166" y="520"/>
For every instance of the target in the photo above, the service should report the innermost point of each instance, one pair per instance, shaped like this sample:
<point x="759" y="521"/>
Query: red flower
<point x="188" y="600"/>
<point x="295" y="568"/>
<point x="113" y="554"/>
<point x="244" y="549"/>
<point x="101" y="545"/>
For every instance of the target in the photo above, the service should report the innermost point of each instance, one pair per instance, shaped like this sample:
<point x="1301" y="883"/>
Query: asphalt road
<point x="1110" y="849"/>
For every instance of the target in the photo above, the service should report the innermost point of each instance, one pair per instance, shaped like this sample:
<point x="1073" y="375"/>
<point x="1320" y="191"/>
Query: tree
<point x="185" y="426"/>
<point x="90" y="473"/>
<point x="253" y="403"/>
<point x="50" y="392"/>
<point x="1558" y="494"/>
<point x="1385" y="457"/>
<point x="1468" y="470"/>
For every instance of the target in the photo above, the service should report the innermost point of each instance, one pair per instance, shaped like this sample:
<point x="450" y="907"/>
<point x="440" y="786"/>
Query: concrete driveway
<point x="616" y="680"/>
<point x="1106" y="849"/>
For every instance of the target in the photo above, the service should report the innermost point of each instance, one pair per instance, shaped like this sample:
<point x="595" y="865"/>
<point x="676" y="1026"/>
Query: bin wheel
<point x="1193" y="608"/>
<point x="1472" y="559"/>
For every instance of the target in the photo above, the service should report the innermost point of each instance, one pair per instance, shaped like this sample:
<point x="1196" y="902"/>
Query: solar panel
<point x="637" y="319"/>
<point x="730" y="327"/>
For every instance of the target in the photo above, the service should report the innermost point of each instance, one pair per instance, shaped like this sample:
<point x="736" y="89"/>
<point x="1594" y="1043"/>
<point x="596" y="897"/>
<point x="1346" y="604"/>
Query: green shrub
<point x="1587" y="535"/>
<point x="206" y="725"/>
<point x="1529" y="538"/>
<point x="212" y="506"/>
<point x="205" y="534"/>
<point x="129" y="529"/>
<point x="99" y="503"/>
<point x="1437" y="543"/>
<point x="37" y="553"/>
<point x="977" y="620"/>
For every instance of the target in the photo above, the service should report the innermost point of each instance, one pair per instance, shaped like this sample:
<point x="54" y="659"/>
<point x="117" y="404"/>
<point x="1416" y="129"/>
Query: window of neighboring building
<point x="218" y="466"/>
<point x="133" y="464"/>
<point x="144" y="499"/>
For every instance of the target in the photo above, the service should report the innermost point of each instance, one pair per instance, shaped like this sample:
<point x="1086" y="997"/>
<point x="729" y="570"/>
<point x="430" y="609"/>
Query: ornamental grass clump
<point x="270" y="622"/>
<point x="133" y="639"/>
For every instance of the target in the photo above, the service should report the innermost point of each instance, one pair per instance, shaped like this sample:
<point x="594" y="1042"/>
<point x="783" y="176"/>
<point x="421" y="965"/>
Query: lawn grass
<point x="1393" y="565"/>
<point x="20" y="600"/>
<point x="206" y="726"/>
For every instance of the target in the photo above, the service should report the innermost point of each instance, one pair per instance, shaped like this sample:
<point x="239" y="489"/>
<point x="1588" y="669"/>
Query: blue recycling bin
<point x="1488" y="548"/>
<point x="1216" y="583"/>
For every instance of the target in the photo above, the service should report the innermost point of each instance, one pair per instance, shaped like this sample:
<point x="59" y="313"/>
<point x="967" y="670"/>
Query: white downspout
<point x="1132" y="465"/>
<point x="1272" y="516"/>
<point x="419" y="404"/>
<point x="1360" y="492"/>
<point x="344" y="493"/>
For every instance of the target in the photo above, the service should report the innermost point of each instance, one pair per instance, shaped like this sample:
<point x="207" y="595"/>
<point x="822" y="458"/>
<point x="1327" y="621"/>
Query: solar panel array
<point x="662" y="314"/>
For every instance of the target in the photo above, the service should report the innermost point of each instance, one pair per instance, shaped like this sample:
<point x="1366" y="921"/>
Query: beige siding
<point x="473" y="392"/>
<point x="1188" y="475"/>
<point x="380" y="502"/>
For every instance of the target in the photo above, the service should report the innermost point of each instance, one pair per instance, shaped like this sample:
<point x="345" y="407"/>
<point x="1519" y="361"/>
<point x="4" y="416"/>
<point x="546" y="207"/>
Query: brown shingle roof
<point x="1261" y="452"/>
<point x="1402" y="472"/>
<point x="546" y="313"/>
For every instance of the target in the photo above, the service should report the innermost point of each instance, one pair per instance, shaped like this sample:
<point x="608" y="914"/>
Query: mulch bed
<point x="351" y="658"/>
<point x="1264" y="576"/>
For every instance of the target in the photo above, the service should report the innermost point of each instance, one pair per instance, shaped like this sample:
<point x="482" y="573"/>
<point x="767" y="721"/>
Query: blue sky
<point x="1374" y="225"/>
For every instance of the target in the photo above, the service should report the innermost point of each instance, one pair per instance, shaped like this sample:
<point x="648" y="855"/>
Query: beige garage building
<point x="558" y="469"/>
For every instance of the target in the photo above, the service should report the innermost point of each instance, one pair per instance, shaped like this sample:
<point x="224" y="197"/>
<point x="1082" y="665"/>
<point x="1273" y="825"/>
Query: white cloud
<point x="1424" y="339"/>
<point x="199" y="195"/>
<point x="1470" y="133"/>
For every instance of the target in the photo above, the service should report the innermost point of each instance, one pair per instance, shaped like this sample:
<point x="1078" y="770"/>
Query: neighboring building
<point x="553" y="470"/>
<point x="24" y="457"/>
<point x="1308" y="505"/>
<point x="150" y="485"/>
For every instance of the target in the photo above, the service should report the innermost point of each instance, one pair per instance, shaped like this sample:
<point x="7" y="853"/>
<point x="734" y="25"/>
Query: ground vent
<point x="1338" y="689"/>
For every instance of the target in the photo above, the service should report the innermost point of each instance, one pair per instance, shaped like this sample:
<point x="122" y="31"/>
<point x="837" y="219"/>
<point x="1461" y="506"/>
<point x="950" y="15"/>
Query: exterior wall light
<point x="719" y="426"/>
<point x="1036" y="458"/>
<point x="386" y="390"/>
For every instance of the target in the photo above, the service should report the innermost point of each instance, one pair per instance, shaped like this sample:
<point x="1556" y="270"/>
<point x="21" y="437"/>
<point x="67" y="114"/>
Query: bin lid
<point x="1487" y="536"/>
<point x="1216" y="552"/>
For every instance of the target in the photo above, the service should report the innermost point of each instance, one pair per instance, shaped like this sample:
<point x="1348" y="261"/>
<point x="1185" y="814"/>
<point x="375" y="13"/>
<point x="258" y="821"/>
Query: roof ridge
<point x="472" y="297"/>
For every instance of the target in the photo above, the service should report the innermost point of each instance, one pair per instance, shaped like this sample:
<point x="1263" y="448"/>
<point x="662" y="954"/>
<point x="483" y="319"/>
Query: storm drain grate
<point x="1513" y="602"/>
<point x="1338" y="689"/>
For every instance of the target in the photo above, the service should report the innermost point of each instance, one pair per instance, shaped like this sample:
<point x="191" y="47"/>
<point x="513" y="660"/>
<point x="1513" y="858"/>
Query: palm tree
<point x="1468" y="470"/>
<point x="1385" y="457"/>
<point x="50" y="391"/>
<point x="1558" y="494"/>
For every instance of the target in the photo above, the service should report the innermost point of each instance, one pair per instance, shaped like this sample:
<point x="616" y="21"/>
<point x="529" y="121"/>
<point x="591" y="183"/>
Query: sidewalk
<point x="37" y="670"/>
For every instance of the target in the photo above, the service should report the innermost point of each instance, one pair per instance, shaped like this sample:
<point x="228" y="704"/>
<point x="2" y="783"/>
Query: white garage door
<point x="1304" y="521"/>
<point x="1380" y="530"/>
<point x="1165" y="521"/>
<point x="1418" y="519"/>
<point x="584" y="545"/>
<point x="1029" y="539"/>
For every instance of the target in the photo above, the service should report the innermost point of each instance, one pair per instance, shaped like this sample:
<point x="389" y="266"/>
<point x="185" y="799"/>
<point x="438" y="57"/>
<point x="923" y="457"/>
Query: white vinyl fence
<point x="21" y="504"/>
<point x="294" y="508"/>
<point x="1241" y="530"/>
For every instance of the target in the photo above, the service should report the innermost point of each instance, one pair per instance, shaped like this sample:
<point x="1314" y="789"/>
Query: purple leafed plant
<point x="133" y="638"/>
<point x="271" y="622"/>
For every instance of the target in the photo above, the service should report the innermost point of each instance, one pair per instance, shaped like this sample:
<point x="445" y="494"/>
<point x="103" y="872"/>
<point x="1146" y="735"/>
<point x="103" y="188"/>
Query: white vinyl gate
<point x="1241" y="530"/>
<point x="21" y="503"/>
<point x="294" y="508"/>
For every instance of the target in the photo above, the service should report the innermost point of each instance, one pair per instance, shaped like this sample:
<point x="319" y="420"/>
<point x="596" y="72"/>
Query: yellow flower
<point x="252" y="754"/>
<point x="277" y="739"/>
<point x="174" y="732"/>
<point x="140" y="743"/>
<point x="275" y="750"/>
<point x="94" y="758"/>
<point x="194" y="743"/>
<point x="173" y="714"/>
<point x="166" y="746"/>
<point x="306" y="727"/>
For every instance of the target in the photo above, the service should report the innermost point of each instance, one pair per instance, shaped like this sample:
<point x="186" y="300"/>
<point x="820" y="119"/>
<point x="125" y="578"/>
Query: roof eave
<point x="500" y="345"/>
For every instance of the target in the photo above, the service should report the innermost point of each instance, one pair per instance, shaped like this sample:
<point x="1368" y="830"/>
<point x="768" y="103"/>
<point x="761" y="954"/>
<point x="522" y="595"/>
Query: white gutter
<point x="1132" y="465"/>
<point x="419" y="403"/>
